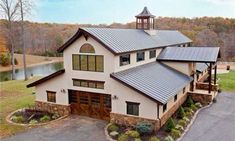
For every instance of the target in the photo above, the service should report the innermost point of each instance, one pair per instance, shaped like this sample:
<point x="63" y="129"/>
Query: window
<point x="183" y="90"/>
<point x="87" y="48"/>
<point x="164" y="107"/>
<point x="88" y="62"/>
<point x="175" y="97"/>
<point x="152" y="54"/>
<point x="133" y="108"/>
<point x="125" y="59"/>
<point x="140" y="56"/>
<point x="51" y="96"/>
<point x="88" y="83"/>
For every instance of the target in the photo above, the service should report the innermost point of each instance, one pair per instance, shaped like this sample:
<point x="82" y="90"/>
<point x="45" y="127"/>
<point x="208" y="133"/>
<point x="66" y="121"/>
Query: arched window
<point x="87" y="48"/>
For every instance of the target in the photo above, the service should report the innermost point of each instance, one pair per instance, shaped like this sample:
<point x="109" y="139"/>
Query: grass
<point x="14" y="95"/>
<point x="227" y="81"/>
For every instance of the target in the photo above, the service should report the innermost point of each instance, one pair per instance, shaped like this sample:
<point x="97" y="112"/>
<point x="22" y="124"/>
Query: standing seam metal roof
<point x="194" y="54"/>
<point x="155" y="80"/>
<point x="201" y="67"/>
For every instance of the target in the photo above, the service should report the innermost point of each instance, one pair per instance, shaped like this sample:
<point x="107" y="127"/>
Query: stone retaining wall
<point x="132" y="120"/>
<point x="62" y="110"/>
<point x="204" y="99"/>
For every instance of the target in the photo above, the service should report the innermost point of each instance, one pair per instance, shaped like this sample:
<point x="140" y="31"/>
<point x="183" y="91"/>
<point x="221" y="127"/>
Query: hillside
<point x="206" y="31"/>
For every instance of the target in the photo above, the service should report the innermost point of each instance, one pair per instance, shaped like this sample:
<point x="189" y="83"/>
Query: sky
<point x="123" y="11"/>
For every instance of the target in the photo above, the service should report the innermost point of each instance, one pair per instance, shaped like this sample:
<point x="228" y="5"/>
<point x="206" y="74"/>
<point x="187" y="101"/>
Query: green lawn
<point x="227" y="81"/>
<point x="14" y="95"/>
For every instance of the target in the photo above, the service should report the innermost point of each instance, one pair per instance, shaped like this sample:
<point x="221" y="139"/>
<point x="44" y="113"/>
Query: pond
<point x="40" y="70"/>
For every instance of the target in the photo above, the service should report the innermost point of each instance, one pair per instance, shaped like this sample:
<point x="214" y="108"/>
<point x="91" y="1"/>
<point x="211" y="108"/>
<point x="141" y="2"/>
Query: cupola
<point x="145" y="20"/>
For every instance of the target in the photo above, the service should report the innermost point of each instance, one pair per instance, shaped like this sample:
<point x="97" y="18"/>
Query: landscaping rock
<point x="114" y="134"/>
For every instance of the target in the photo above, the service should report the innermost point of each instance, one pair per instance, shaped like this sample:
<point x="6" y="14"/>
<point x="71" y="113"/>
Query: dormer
<point x="145" y="20"/>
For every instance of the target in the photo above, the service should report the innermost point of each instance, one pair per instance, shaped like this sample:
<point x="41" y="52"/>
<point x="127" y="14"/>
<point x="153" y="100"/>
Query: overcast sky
<point x="123" y="11"/>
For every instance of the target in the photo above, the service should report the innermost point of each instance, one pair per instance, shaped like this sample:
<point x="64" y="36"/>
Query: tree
<point x="9" y="9"/>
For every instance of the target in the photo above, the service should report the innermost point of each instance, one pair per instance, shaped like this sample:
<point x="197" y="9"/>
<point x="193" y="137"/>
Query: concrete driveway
<point x="74" y="128"/>
<point x="216" y="123"/>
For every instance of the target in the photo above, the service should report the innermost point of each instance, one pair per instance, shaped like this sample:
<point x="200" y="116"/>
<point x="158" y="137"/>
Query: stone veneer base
<point x="132" y="120"/>
<point x="62" y="110"/>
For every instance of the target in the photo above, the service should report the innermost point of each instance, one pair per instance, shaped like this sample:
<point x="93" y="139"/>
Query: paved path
<point x="216" y="123"/>
<point x="74" y="128"/>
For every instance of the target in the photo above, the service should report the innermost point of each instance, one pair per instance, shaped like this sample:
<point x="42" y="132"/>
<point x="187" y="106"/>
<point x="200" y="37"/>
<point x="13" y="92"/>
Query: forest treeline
<point x="45" y="38"/>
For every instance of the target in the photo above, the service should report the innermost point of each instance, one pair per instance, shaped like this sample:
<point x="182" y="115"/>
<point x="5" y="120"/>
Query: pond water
<point x="40" y="70"/>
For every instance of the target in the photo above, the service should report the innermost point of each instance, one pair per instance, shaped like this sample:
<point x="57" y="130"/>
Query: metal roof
<point x="145" y="13"/>
<point x="155" y="80"/>
<point x="201" y="67"/>
<point x="192" y="54"/>
<point x="127" y="40"/>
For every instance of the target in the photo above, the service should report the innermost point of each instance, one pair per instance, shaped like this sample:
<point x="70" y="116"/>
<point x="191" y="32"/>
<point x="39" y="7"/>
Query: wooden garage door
<point x="90" y="104"/>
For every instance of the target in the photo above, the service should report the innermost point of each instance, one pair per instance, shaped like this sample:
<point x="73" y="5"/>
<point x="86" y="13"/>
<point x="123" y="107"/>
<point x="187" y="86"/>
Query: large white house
<point x="128" y="75"/>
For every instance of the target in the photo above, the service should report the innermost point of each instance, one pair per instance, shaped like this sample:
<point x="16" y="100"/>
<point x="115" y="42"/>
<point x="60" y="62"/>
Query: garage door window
<point x="51" y="96"/>
<point x="133" y="108"/>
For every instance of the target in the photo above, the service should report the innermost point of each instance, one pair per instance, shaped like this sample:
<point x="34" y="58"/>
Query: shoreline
<point x="8" y="68"/>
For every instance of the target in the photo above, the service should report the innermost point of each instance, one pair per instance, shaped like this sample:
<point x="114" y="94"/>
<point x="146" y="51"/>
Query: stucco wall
<point x="183" y="67"/>
<point x="133" y="62"/>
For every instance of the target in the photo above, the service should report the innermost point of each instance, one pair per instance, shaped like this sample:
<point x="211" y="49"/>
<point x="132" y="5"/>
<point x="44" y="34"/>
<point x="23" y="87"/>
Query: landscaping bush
<point x="186" y="119"/>
<point x="169" y="138"/>
<point x="154" y="138"/>
<point x="193" y="107"/>
<point x="133" y="134"/>
<point x="45" y="118"/>
<point x="198" y="105"/>
<point x="5" y="59"/>
<point x="144" y="128"/>
<point x="182" y="122"/>
<point x="189" y="101"/>
<point x="188" y="114"/>
<point x="170" y="124"/>
<point x="187" y="109"/>
<point x="113" y="127"/>
<point x="18" y="119"/>
<point x="180" y="113"/>
<point x="137" y="139"/>
<point x="114" y="134"/>
<point x="175" y="133"/>
<point x="123" y="137"/>
<point x="55" y="116"/>
<point x="33" y="121"/>
<point x="179" y="127"/>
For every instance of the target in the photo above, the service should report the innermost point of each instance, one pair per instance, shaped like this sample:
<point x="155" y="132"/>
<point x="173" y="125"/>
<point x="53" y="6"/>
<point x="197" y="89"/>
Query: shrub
<point x="175" y="133"/>
<point x="169" y="138"/>
<point x="198" y="105"/>
<point x="181" y="113"/>
<point x="137" y="139"/>
<point x="133" y="134"/>
<point x="189" y="101"/>
<point x="123" y="137"/>
<point x="182" y="122"/>
<point x="5" y="59"/>
<point x="186" y="119"/>
<point x="33" y="121"/>
<point x="45" y="118"/>
<point x="193" y="107"/>
<point x="55" y="116"/>
<point x="179" y="127"/>
<point x="114" y="134"/>
<point x="188" y="114"/>
<point x="18" y="119"/>
<point x="187" y="109"/>
<point x="113" y="127"/>
<point x="154" y="138"/>
<point x="144" y="128"/>
<point x="170" y="124"/>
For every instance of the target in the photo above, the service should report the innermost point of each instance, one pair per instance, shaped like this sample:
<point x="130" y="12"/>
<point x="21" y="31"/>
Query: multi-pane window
<point x="88" y="83"/>
<point x="51" y="96"/>
<point x="152" y="54"/>
<point x="133" y="108"/>
<point x="140" y="56"/>
<point x="175" y="97"/>
<point x="125" y="59"/>
<point x="164" y="107"/>
<point x="88" y="62"/>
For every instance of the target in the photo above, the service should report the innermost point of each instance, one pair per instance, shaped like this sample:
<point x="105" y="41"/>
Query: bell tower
<point x="145" y="20"/>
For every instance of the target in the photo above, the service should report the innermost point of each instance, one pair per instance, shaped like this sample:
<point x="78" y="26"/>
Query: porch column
<point x="215" y="73"/>
<point x="210" y="70"/>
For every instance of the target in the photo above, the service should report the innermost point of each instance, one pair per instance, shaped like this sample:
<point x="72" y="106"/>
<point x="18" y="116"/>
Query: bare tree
<point x="9" y="9"/>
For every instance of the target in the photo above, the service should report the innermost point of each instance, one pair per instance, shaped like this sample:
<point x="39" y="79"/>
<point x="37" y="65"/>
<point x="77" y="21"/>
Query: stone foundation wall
<point x="173" y="109"/>
<point x="62" y="110"/>
<point x="132" y="120"/>
<point x="204" y="99"/>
